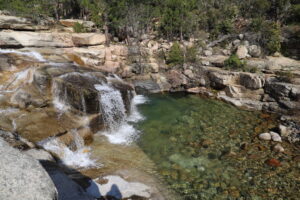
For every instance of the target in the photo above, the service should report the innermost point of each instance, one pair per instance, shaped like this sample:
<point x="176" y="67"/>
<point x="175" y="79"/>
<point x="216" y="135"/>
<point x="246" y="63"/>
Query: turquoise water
<point x="207" y="149"/>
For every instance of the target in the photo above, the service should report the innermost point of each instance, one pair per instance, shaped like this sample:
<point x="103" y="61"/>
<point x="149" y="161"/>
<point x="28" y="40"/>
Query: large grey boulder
<point x="22" y="177"/>
<point x="252" y="81"/>
<point x="254" y="51"/>
<point x="242" y="52"/>
<point x="278" y="89"/>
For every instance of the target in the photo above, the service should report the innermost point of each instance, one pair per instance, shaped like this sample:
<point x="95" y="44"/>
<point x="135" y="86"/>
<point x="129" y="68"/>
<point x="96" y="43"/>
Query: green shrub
<point x="272" y="37"/>
<point x="175" y="56"/>
<point x="256" y="24"/>
<point x="226" y="27"/>
<point x="191" y="54"/>
<point x="234" y="63"/>
<point x="78" y="28"/>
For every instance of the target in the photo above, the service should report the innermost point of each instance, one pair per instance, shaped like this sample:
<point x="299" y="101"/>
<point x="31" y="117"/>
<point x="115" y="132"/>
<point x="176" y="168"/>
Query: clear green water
<point x="207" y="149"/>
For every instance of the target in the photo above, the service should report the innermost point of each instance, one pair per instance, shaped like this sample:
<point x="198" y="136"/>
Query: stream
<point x="207" y="149"/>
<point x="192" y="146"/>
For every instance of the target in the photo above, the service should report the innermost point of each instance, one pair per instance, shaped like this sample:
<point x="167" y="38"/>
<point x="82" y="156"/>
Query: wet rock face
<point x="79" y="92"/>
<point x="48" y="99"/>
<point x="22" y="177"/>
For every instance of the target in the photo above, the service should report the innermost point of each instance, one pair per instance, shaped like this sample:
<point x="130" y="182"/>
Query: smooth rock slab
<point x="22" y="177"/>
<point x="117" y="187"/>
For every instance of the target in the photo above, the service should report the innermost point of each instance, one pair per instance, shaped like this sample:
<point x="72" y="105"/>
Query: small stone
<point x="278" y="148"/>
<point x="205" y="63"/>
<point x="284" y="131"/>
<point x="208" y="53"/>
<point x="265" y="136"/>
<point x="273" y="162"/>
<point x="236" y="42"/>
<point x="275" y="137"/>
<point x="241" y="36"/>
<point x="246" y="43"/>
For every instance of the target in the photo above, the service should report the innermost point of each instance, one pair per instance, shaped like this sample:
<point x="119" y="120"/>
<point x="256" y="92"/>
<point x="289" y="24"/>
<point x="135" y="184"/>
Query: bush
<point x="272" y="37"/>
<point x="256" y="24"/>
<point x="78" y="28"/>
<point x="175" y="56"/>
<point x="191" y="54"/>
<point x="233" y="62"/>
<point x="226" y="27"/>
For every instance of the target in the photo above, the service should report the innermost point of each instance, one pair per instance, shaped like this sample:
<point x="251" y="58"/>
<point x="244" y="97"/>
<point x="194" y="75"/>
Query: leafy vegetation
<point x="175" y="56"/>
<point x="171" y="19"/>
<point x="233" y="62"/>
<point x="79" y="28"/>
<point x="191" y="54"/>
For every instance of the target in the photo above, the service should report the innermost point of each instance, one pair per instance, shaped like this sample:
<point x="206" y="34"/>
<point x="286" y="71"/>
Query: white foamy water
<point x="79" y="158"/>
<point x="135" y="115"/>
<point x="60" y="102"/>
<point x="112" y="106"/>
<point x="32" y="54"/>
<point x="119" y="130"/>
<point x="8" y="110"/>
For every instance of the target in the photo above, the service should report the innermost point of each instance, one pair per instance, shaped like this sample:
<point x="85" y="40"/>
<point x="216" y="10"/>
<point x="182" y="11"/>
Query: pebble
<point x="275" y="137"/>
<point x="273" y="162"/>
<point x="278" y="148"/>
<point x="265" y="136"/>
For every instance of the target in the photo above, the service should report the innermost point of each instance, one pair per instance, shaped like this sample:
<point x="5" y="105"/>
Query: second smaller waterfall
<point x="80" y="157"/>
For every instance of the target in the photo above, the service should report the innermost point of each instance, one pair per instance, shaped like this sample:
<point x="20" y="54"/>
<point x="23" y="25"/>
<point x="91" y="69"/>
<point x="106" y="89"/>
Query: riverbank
<point x="59" y="88"/>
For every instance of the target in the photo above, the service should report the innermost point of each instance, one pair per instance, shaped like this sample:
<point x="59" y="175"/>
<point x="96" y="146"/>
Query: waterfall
<point x="32" y="54"/>
<point x="78" y="158"/>
<point x="83" y="104"/>
<point x="119" y="126"/>
<point x="60" y="100"/>
<point x="78" y="141"/>
<point x="112" y="106"/>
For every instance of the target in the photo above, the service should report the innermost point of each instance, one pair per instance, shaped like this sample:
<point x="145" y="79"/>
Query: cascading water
<point x="112" y="106"/>
<point x="59" y="101"/>
<point x="32" y="54"/>
<point x="118" y="130"/>
<point x="78" y="158"/>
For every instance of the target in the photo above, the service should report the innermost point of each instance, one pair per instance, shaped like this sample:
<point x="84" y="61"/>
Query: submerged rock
<point x="265" y="136"/>
<point x="275" y="137"/>
<point x="273" y="162"/>
<point x="278" y="148"/>
<point x="22" y="177"/>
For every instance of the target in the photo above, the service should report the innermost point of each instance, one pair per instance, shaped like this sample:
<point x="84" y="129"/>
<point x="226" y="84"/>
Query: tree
<point x="175" y="56"/>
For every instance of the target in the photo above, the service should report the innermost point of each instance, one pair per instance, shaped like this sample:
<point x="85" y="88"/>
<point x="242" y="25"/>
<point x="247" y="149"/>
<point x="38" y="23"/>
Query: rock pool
<point x="207" y="149"/>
